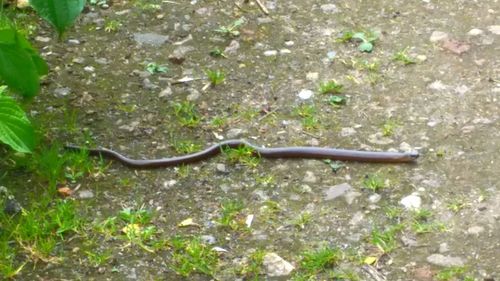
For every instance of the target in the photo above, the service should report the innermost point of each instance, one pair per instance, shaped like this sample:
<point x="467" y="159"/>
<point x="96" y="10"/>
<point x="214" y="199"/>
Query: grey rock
<point x="178" y="56"/>
<point x="260" y="195"/>
<point x="350" y="196"/>
<point x="337" y="191"/>
<point x="443" y="247"/>
<point x="276" y="266"/>
<point x="411" y="202"/>
<point x="357" y="218"/>
<point x="345" y="132"/>
<point x="62" y="92"/>
<point x="148" y="85"/>
<point x="445" y="261"/>
<point x="167" y="92"/>
<point x="193" y="94"/>
<point x="409" y="241"/>
<point x="42" y="39"/>
<point x="12" y="207"/>
<point x="89" y="68"/>
<point x="232" y="48"/>
<point x="437" y="36"/>
<point x="152" y="39"/>
<point x="74" y="41"/>
<point x="78" y="60"/>
<point x="221" y="168"/>
<point x="208" y="239"/>
<point x="309" y="177"/>
<point x="85" y="194"/>
<point x="329" y="8"/>
<point x="235" y="133"/>
<point x="475" y="230"/>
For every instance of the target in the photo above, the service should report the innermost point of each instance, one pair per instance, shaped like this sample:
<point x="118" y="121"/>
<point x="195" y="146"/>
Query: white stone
<point x="374" y="198"/>
<point x="329" y="8"/>
<point x="438" y="86"/>
<point x="475" y="32"/>
<point x="312" y="76"/>
<point x="495" y="29"/>
<point x="305" y="94"/>
<point x="285" y="51"/>
<point x="345" y="132"/>
<point x="411" y="202"/>
<point x="270" y="53"/>
<point x="475" y="230"/>
<point x="437" y="36"/>
<point x="276" y="265"/>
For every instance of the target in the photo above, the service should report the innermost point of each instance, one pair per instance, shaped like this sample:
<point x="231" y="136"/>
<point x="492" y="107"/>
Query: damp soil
<point x="445" y="106"/>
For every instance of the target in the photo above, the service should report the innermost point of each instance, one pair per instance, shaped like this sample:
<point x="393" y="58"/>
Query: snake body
<point x="274" y="152"/>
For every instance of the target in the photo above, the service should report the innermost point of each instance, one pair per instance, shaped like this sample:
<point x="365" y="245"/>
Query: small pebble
<point x="475" y="32"/>
<point x="85" y="194"/>
<point x="305" y="94"/>
<point x="270" y="53"/>
<point x="437" y="36"/>
<point x="411" y="202"/>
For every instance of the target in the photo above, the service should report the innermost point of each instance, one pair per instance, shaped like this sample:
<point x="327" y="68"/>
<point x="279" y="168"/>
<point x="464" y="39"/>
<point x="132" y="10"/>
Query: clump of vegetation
<point x="187" y="114"/>
<point x="252" y="269"/>
<point x="330" y="87"/>
<point x="190" y="256"/>
<point x="133" y="226"/>
<point x="388" y="127"/>
<point x="230" y="214"/>
<point x="231" y="30"/>
<point x="243" y="154"/>
<point x="215" y="77"/>
<point x="454" y="273"/>
<point x="373" y="182"/>
<point x="35" y="233"/>
<point x="403" y="57"/>
<point x="217" y="53"/>
<point x="302" y="220"/>
<point x="314" y="262"/>
<point x="153" y="68"/>
<point x="422" y="222"/>
<point x="366" y="38"/>
<point x="308" y="114"/>
<point x="186" y="147"/>
<point x="112" y="26"/>
<point x="385" y="241"/>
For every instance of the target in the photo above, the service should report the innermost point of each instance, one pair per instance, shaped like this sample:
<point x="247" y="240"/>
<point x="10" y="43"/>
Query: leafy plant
<point x="216" y="53"/>
<point x="187" y="114"/>
<point x="330" y="87"/>
<point x="192" y="256"/>
<point x="60" y="13"/>
<point x="336" y="100"/>
<point x="402" y="56"/>
<point x="232" y="29"/>
<point x="388" y="127"/>
<point x="230" y="211"/>
<point x="155" y="68"/>
<point x="20" y="64"/>
<point x="373" y="182"/>
<point x="15" y="128"/>
<point x="366" y="39"/>
<point x="215" y="77"/>
<point x="244" y="155"/>
<point x="314" y="262"/>
<point x="112" y="26"/>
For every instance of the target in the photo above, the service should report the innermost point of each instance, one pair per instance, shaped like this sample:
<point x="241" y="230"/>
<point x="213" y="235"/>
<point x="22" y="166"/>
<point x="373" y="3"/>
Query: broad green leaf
<point x="366" y="47"/>
<point x="60" y="13"/>
<point x="18" y="70"/>
<point x="359" y="35"/>
<point x="41" y="66"/>
<point x="15" y="128"/>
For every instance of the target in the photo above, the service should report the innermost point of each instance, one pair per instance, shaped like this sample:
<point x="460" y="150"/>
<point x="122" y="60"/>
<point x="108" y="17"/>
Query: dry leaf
<point x="188" y="222"/>
<point x="64" y="191"/>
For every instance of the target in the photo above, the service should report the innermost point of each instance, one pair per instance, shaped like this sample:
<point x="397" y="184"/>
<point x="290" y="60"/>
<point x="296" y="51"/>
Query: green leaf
<point x="15" y="128"/>
<point x="18" y="70"/>
<point x="359" y="35"/>
<point x="60" y="13"/>
<point x="366" y="47"/>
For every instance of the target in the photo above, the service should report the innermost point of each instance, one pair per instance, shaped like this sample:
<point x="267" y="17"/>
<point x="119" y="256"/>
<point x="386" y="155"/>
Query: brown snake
<point x="274" y="152"/>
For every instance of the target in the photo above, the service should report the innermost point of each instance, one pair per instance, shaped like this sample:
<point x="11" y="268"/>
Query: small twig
<point x="311" y="135"/>
<point x="267" y="114"/>
<point x="262" y="7"/>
